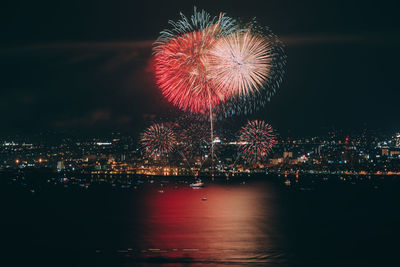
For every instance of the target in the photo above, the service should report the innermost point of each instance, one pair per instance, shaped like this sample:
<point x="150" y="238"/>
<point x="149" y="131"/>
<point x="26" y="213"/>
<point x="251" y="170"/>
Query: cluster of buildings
<point x="118" y="154"/>
<point x="357" y="154"/>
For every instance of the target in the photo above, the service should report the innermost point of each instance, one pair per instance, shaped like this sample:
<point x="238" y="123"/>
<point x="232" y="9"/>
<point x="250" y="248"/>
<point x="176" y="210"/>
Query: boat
<point x="197" y="183"/>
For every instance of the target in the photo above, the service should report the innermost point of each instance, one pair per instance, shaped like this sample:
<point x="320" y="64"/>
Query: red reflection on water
<point x="231" y="225"/>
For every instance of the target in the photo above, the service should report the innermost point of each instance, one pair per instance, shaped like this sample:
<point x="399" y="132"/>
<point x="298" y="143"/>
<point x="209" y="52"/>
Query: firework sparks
<point x="256" y="140"/>
<point x="158" y="140"/>
<point x="180" y="64"/>
<point x="240" y="62"/>
<point x="255" y="73"/>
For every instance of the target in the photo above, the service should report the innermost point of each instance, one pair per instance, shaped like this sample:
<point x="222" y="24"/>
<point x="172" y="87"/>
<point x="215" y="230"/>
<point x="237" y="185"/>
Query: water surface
<point x="262" y="223"/>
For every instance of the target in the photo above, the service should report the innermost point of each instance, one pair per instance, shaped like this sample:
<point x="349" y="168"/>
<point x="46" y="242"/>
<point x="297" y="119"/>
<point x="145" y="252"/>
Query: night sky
<point x="85" y="65"/>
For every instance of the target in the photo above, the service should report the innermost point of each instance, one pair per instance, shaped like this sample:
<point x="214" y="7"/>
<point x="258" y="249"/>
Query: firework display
<point x="213" y="63"/>
<point x="218" y="67"/>
<point x="158" y="140"/>
<point x="256" y="140"/>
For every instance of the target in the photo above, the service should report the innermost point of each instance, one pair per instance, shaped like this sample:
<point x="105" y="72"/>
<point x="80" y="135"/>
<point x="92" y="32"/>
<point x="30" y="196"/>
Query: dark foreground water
<point x="260" y="223"/>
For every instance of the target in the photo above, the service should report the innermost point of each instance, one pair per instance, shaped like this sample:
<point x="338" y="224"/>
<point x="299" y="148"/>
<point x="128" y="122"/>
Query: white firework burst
<point x="240" y="62"/>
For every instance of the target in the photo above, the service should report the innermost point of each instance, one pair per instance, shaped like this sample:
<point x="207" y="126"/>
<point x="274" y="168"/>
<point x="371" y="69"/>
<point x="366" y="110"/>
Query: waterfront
<point x="258" y="222"/>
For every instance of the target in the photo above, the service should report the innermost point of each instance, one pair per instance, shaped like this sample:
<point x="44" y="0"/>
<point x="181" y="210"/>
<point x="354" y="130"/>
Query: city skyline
<point x="335" y="153"/>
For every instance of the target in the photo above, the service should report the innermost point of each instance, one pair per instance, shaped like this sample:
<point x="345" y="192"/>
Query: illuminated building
<point x="60" y="165"/>
<point x="395" y="152"/>
<point x="287" y="154"/>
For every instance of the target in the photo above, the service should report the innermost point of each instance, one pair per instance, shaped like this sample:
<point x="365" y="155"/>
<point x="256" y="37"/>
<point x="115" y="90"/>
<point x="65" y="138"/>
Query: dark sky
<point x="85" y="65"/>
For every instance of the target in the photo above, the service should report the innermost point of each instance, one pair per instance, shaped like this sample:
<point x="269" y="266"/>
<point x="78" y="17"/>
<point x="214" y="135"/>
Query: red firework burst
<point x="158" y="140"/>
<point x="180" y="63"/>
<point x="256" y="140"/>
<point x="181" y="73"/>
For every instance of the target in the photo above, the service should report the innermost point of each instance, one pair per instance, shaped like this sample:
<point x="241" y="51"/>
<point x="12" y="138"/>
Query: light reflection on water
<point x="237" y="223"/>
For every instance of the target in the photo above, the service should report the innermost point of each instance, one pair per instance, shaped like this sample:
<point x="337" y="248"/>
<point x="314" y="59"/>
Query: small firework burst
<point x="193" y="136"/>
<point x="256" y="140"/>
<point x="158" y="140"/>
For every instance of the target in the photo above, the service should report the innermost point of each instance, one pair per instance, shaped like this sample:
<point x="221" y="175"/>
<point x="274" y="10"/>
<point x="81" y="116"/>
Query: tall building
<point x="398" y="139"/>
<point x="318" y="150"/>
<point x="60" y="165"/>
<point x="385" y="151"/>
